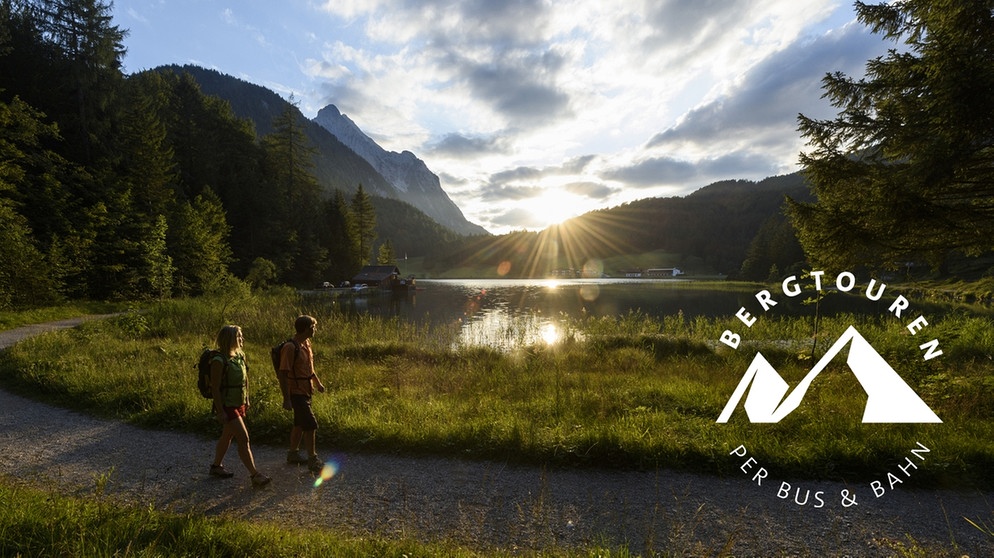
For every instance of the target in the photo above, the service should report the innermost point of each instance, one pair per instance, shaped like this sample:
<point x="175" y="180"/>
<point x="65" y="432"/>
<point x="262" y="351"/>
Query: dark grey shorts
<point x="303" y="416"/>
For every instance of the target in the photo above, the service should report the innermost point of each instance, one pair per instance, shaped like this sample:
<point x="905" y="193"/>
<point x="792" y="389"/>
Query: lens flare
<point x="550" y="334"/>
<point x="329" y="470"/>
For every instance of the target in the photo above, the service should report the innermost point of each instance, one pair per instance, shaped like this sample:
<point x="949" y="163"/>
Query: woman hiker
<point x="229" y="386"/>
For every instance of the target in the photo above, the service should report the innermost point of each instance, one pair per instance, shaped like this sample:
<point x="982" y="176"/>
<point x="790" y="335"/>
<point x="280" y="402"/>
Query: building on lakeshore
<point x="652" y="273"/>
<point x="383" y="276"/>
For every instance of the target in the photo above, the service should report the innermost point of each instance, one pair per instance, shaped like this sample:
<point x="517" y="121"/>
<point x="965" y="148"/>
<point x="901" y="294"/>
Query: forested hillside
<point x="337" y="167"/>
<point x="129" y="187"/>
<point x="735" y="228"/>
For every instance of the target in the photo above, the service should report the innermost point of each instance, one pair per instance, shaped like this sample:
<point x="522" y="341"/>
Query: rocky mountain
<point x="345" y="156"/>
<point x="414" y="182"/>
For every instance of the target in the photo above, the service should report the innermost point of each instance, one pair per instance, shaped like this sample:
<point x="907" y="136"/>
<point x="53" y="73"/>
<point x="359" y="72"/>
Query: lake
<point x="506" y="313"/>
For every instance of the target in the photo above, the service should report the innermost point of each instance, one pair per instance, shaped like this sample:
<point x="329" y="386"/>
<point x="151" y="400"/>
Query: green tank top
<point x="233" y="381"/>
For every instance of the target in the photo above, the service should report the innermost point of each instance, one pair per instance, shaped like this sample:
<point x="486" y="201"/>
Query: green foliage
<point x="21" y="264"/>
<point x="904" y="171"/>
<point x="336" y="168"/>
<point x="261" y="274"/>
<point x="773" y="251"/>
<point x="386" y="255"/>
<point x="409" y="231"/>
<point x="157" y="273"/>
<point x="200" y="245"/>
<point x="153" y="188"/>
<point x="294" y="210"/>
<point x="24" y="277"/>
<point x="339" y="239"/>
<point x="364" y="223"/>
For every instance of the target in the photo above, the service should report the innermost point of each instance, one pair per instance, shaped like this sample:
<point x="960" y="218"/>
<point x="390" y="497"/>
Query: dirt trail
<point x="481" y="504"/>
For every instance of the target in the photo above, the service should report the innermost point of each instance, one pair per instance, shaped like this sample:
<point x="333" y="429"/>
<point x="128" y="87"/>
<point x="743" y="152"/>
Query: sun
<point x="555" y="206"/>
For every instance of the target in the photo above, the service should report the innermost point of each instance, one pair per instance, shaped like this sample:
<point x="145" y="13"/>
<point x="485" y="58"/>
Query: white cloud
<point x="137" y="16"/>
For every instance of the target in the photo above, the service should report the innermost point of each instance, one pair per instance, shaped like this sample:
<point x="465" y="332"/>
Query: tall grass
<point x="629" y="391"/>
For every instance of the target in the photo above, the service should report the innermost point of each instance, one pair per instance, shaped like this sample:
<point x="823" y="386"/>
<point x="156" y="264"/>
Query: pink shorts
<point x="231" y="413"/>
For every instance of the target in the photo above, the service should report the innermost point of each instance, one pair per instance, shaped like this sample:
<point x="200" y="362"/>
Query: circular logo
<point x="763" y="395"/>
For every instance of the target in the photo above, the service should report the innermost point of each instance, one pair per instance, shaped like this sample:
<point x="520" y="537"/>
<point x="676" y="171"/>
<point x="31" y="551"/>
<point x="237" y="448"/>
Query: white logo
<point x="768" y="397"/>
<point x="889" y="398"/>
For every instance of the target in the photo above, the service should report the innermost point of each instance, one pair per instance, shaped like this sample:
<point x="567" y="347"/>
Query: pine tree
<point x="21" y="264"/>
<point x="157" y="272"/>
<point x="92" y="49"/>
<point x="289" y="157"/>
<point x="27" y="188"/>
<point x="198" y="245"/>
<point x="364" y="221"/>
<point x="386" y="255"/>
<point x="147" y="165"/>
<point x="905" y="172"/>
<point x="338" y="237"/>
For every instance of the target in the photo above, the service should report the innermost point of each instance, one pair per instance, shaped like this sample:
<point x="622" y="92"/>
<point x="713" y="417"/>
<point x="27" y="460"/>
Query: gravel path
<point x="481" y="504"/>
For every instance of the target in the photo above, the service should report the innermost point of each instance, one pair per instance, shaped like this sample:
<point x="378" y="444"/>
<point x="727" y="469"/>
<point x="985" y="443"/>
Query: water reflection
<point x="500" y="329"/>
<point x="507" y="318"/>
<point x="507" y="314"/>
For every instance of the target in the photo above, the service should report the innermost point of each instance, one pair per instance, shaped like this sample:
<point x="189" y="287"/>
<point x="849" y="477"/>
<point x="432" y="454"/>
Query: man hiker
<point x="297" y="382"/>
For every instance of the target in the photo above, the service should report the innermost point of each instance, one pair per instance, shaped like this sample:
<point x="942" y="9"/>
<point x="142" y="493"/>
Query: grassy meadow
<point x="625" y="392"/>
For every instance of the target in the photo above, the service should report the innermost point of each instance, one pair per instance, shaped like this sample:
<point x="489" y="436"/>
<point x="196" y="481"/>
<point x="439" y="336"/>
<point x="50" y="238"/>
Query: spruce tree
<point x="905" y="172"/>
<point x="289" y="157"/>
<point x="364" y="221"/>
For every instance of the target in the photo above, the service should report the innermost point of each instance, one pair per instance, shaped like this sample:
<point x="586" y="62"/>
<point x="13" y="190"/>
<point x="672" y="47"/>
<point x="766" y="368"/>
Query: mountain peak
<point x="330" y="111"/>
<point x="410" y="176"/>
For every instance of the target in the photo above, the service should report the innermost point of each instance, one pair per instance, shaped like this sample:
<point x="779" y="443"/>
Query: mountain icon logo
<point x="889" y="398"/>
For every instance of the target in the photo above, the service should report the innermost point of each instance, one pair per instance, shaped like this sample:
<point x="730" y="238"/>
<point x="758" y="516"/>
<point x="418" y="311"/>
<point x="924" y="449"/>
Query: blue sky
<point x="534" y="111"/>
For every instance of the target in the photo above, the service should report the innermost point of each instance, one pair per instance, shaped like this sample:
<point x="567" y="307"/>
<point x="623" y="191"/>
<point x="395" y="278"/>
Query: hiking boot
<point x="259" y="479"/>
<point x="294" y="458"/>
<point x="220" y="472"/>
<point x="315" y="464"/>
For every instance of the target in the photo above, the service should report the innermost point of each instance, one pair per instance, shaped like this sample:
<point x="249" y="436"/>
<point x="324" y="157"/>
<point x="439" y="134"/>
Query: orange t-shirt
<point x="299" y="370"/>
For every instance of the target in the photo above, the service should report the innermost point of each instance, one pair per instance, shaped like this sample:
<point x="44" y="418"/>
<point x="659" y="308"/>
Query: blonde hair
<point x="227" y="339"/>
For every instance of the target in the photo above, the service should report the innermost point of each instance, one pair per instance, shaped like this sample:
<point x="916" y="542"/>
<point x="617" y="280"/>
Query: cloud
<point x="577" y="165"/>
<point x="518" y="174"/>
<point x="592" y="190"/>
<point x="667" y="171"/>
<point x="459" y="146"/>
<point x="137" y="16"/>
<point x="478" y="56"/>
<point x="516" y="218"/>
<point x="519" y="86"/>
<point x="228" y="17"/>
<point x="656" y="171"/>
<point x="502" y="192"/>
<point x="761" y="110"/>
<point x="570" y="167"/>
